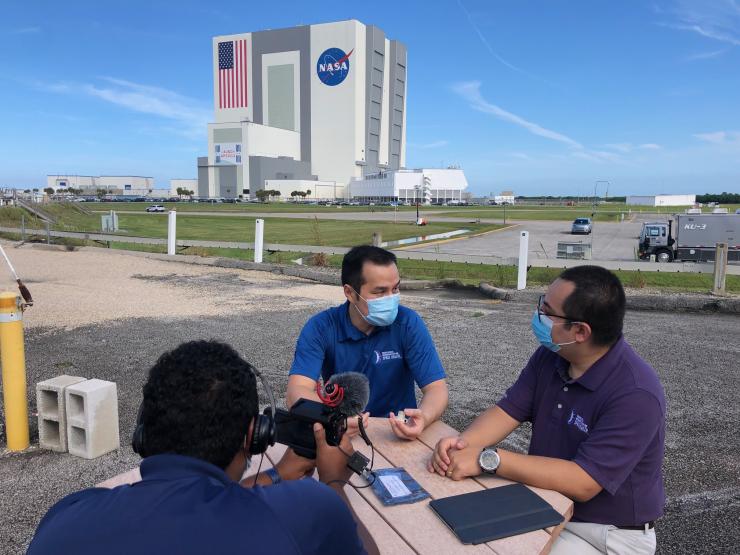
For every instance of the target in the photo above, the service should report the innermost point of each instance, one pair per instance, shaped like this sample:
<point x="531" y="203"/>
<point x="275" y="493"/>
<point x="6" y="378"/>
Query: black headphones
<point x="263" y="435"/>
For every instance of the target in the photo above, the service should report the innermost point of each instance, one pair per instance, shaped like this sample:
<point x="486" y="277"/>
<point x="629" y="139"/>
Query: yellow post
<point x="13" y="361"/>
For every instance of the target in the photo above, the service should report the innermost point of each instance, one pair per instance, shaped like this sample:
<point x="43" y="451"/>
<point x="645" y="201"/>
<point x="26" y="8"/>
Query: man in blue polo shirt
<point x="371" y="334"/>
<point x="200" y="426"/>
<point x="598" y="421"/>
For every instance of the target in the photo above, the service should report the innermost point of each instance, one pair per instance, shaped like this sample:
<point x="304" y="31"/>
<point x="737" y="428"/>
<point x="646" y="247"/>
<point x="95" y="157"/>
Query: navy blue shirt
<point x="392" y="357"/>
<point x="610" y="422"/>
<point x="186" y="506"/>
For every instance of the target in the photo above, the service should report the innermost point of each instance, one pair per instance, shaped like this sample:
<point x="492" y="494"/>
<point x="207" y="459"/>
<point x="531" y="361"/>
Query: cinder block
<point x="50" y="403"/>
<point x="92" y="418"/>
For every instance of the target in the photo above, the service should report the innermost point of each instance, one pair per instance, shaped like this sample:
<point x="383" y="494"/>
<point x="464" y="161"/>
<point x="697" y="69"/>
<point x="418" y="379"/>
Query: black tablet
<point x="490" y="514"/>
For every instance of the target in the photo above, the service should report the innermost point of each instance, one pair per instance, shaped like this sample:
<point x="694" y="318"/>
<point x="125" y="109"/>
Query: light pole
<point x="416" y="195"/>
<point x="593" y="211"/>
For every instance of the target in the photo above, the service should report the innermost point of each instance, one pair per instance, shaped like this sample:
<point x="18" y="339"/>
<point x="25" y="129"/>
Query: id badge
<point x="395" y="486"/>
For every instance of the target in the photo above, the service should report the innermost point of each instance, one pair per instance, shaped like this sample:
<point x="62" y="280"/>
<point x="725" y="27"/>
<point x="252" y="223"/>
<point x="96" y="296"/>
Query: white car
<point x="155" y="208"/>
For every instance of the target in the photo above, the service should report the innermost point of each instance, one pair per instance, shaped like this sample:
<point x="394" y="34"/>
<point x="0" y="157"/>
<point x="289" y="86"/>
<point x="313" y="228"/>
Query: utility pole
<point x="593" y="210"/>
<point x="417" y="205"/>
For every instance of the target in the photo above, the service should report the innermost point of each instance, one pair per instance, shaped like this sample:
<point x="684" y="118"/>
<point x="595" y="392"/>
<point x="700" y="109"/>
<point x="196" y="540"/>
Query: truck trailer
<point x="691" y="238"/>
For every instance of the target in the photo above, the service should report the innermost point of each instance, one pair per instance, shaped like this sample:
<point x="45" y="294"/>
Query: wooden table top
<point x="415" y="528"/>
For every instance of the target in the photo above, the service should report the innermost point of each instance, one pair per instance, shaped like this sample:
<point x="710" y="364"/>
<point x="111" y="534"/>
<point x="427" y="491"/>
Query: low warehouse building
<point x="661" y="200"/>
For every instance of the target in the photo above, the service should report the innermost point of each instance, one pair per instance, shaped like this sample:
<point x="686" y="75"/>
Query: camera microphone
<point x="347" y="392"/>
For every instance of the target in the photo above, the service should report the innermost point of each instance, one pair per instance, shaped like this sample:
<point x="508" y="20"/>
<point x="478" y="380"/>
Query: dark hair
<point x="598" y="299"/>
<point x="199" y="401"/>
<point x="356" y="258"/>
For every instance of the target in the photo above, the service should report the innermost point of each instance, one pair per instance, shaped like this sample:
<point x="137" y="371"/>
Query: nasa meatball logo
<point x="333" y="66"/>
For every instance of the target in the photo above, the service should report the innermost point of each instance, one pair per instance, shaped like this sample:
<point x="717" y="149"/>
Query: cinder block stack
<point x="92" y="418"/>
<point x="51" y="405"/>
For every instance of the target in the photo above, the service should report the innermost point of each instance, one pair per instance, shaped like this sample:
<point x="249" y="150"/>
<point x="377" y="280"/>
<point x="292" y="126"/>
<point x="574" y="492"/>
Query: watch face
<point x="489" y="460"/>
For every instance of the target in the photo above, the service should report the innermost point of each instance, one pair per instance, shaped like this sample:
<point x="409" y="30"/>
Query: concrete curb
<point x="676" y="302"/>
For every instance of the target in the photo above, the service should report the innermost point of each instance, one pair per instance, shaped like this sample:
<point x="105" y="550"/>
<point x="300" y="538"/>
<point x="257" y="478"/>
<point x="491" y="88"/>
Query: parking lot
<point x="110" y="315"/>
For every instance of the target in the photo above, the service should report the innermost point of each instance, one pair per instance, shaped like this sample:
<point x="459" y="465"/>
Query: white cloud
<point x="719" y="137"/>
<point x="191" y="115"/>
<point x="470" y="91"/>
<point x="435" y="144"/>
<point x="490" y="49"/>
<point x="705" y="55"/>
<point x="629" y="147"/>
<point x="25" y="31"/>
<point x="714" y="19"/>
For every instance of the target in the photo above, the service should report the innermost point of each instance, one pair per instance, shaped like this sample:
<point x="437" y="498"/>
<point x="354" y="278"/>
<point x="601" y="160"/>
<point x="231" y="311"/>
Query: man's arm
<point x="559" y="475"/>
<point x="489" y="428"/>
<point x="331" y="463"/>
<point x="458" y="458"/>
<point x="548" y="473"/>
<point x="300" y="387"/>
<point x="289" y="467"/>
<point x="433" y="404"/>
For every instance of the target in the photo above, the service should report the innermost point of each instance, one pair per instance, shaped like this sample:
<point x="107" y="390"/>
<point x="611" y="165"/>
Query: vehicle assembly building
<point x="309" y="108"/>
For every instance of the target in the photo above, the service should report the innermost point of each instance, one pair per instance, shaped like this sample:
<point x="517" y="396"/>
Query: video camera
<point x="344" y="395"/>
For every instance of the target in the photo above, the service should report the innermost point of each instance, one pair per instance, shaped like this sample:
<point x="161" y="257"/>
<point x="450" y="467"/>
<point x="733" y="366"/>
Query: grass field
<point x="609" y="212"/>
<point x="506" y="276"/>
<point x="285" y="231"/>
<point x="337" y="233"/>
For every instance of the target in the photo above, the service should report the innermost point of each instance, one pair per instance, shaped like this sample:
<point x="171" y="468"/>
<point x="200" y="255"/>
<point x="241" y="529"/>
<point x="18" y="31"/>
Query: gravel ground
<point x="109" y="315"/>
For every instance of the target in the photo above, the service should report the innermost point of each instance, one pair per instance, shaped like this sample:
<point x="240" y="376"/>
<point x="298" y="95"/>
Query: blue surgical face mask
<point x="382" y="311"/>
<point x="542" y="329"/>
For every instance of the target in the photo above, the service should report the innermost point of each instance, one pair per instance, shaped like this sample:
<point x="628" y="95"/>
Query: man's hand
<point x="440" y="460"/>
<point x="410" y="429"/>
<point x="464" y="462"/>
<point x="330" y="461"/>
<point x="353" y="428"/>
<point x="294" y="467"/>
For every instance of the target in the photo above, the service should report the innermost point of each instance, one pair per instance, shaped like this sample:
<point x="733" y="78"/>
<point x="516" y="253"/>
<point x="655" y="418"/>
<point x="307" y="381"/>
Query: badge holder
<point x="394" y="486"/>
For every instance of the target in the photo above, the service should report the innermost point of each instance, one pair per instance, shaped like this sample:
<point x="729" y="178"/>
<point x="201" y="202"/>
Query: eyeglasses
<point x="540" y="313"/>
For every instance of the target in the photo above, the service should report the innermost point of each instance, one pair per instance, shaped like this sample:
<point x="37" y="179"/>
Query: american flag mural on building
<point x="232" y="74"/>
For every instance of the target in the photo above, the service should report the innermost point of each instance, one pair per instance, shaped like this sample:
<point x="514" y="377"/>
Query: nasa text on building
<point x="308" y="107"/>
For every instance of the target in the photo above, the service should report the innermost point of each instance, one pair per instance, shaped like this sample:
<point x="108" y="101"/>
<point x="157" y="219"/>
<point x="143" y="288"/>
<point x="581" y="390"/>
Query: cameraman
<point x="199" y="411"/>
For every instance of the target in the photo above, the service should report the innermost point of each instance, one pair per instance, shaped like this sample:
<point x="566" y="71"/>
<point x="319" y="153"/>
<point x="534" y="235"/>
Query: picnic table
<point x="415" y="528"/>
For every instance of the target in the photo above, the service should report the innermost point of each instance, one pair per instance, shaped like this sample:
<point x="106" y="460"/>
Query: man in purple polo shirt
<point x="598" y="420"/>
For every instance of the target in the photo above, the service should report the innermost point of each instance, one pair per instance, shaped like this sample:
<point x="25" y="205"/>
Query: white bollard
<point x="521" y="281"/>
<point x="171" y="232"/>
<point x="259" y="234"/>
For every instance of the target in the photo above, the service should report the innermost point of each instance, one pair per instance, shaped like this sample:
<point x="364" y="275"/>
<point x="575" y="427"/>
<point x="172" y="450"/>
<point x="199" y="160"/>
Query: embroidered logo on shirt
<point x="381" y="356"/>
<point x="577" y="421"/>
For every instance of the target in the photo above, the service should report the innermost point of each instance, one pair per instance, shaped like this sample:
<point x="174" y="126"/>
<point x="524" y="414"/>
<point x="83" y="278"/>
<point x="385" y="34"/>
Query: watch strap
<point x="274" y="475"/>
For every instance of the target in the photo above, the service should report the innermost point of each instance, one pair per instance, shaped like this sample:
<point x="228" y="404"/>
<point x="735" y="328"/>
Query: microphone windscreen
<point x="356" y="392"/>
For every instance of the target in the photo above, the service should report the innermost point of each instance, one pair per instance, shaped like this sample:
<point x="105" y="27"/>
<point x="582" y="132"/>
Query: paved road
<point x="483" y="346"/>
<point x="611" y="241"/>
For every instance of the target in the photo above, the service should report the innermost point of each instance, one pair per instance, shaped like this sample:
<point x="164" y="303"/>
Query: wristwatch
<point x="273" y="474"/>
<point x="489" y="460"/>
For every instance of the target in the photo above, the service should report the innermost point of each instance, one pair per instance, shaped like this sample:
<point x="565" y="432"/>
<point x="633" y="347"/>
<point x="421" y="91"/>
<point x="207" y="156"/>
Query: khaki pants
<point x="586" y="538"/>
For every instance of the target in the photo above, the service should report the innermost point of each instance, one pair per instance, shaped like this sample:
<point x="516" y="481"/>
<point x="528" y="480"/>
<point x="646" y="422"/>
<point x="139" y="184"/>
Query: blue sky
<point x="541" y="97"/>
